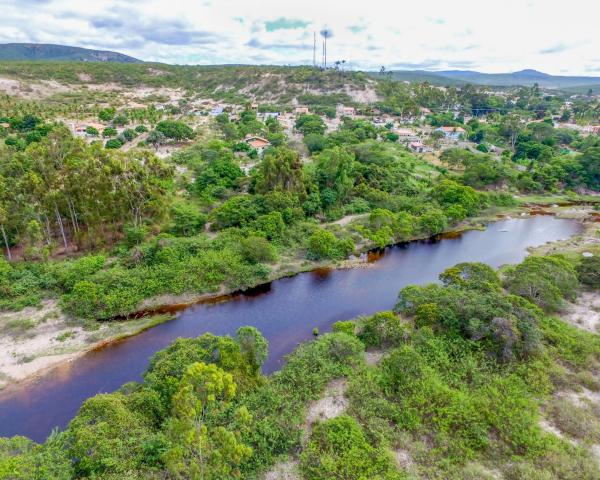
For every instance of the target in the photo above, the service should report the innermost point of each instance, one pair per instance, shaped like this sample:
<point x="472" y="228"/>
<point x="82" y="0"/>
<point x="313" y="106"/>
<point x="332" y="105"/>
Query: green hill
<point x="522" y="78"/>
<point x="49" y="52"/>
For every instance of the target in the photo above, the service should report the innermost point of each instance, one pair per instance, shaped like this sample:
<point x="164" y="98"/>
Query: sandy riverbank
<point x="36" y="339"/>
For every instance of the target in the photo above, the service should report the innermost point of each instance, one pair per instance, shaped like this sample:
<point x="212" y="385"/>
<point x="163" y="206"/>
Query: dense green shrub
<point x="257" y="249"/>
<point x="23" y="459"/>
<point x="186" y="219"/>
<point x="22" y="285"/>
<point x="545" y="281"/>
<point x="107" y="436"/>
<point x="384" y="329"/>
<point x="339" y="449"/>
<point x="174" y="129"/>
<point x="505" y="324"/>
<point x="347" y="326"/>
<point x="588" y="271"/>
<point x="433" y="222"/>
<point x="113" y="143"/>
<point x="323" y="244"/>
<point x="278" y="407"/>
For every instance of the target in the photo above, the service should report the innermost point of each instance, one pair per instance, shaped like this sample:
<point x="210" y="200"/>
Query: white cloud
<point x="436" y="34"/>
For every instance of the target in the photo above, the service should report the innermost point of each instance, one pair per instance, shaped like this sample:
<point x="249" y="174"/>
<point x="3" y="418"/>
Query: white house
<point x="267" y="115"/>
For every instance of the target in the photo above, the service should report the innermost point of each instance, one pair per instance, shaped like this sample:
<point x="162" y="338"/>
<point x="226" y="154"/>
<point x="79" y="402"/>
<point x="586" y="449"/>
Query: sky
<point x="553" y="36"/>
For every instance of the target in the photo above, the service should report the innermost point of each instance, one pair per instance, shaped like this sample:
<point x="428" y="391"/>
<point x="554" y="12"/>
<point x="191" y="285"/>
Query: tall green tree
<point x="200" y="451"/>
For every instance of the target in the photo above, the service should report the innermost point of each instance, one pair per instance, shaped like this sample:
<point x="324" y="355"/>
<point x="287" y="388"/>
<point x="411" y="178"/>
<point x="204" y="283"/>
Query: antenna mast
<point x="314" y="49"/>
<point x="325" y="33"/>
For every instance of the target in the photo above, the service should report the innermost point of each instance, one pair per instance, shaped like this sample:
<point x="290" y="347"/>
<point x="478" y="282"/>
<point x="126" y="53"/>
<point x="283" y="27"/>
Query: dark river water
<point x="285" y="311"/>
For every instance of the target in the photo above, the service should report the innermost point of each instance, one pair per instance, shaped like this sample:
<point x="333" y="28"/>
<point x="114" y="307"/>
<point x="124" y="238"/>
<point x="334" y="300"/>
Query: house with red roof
<point x="257" y="143"/>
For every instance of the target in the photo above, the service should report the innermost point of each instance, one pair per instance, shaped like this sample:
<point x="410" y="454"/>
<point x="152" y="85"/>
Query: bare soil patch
<point x="333" y="404"/>
<point x="373" y="357"/>
<point x="34" y="339"/>
<point x="584" y="313"/>
<point x="34" y="90"/>
<point x="284" y="471"/>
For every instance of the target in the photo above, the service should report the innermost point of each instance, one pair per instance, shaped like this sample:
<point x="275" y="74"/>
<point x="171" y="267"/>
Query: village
<point x="414" y="131"/>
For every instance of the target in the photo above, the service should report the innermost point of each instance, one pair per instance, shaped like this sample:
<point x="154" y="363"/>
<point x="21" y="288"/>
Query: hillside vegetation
<point x="277" y="84"/>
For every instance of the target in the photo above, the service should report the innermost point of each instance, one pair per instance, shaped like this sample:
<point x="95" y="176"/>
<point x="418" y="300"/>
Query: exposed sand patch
<point x="9" y="86"/>
<point x="403" y="459"/>
<point x="595" y="449"/>
<point x="284" y="471"/>
<point x="349" y="218"/>
<point x="332" y="405"/>
<point x="550" y="428"/>
<point x="156" y="72"/>
<point x="481" y="472"/>
<point x="368" y="95"/>
<point x="34" y="90"/>
<point x="585" y="312"/>
<point x="578" y="212"/>
<point x="36" y="339"/>
<point x="105" y="87"/>
<point x="373" y="357"/>
<point x="581" y="399"/>
<point x="45" y="340"/>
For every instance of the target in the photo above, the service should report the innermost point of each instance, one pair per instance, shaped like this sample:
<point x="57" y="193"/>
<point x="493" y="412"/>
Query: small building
<point x="418" y="147"/>
<point x="216" y="111"/>
<point x="301" y="110"/>
<point x="5" y="125"/>
<point x="274" y="115"/>
<point x="344" y="111"/>
<point x="423" y="112"/>
<point x="257" y="143"/>
<point x="453" y="133"/>
<point x="405" y="134"/>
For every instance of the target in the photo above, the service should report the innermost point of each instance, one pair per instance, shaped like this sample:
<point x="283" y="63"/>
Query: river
<point x="285" y="311"/>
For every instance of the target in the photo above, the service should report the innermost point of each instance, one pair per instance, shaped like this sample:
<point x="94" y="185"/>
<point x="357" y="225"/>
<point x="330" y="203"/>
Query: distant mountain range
<point x="49" y="52"/>
<point x="524" y="77"/>
<point x="528" y="77"/>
